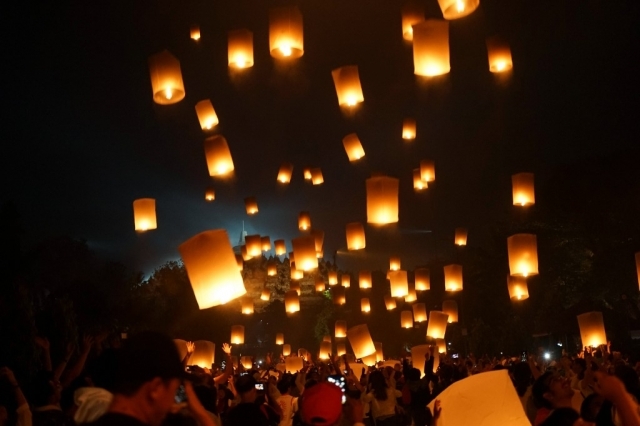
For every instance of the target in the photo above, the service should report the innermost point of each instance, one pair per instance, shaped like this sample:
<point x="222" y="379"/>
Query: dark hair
<point x="41" y="389"/>
<point x="379" y="385"/>
<point x="521" y="377"/>
<point x="583" y="365"/>
<point x="586" y="409"/>
<point x="284" y="385"/>
<point x="245" y="384"/>
<point x="561" y="417"/>
<point x="413" y="374"/>
<point x="208" y="397"/>
<point x="540" y="387"/>
<point x="630" y="379"/>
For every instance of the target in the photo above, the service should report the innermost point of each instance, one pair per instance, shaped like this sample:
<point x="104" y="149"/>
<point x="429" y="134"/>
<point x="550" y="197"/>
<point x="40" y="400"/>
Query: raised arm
<point x="43" y="343"/>
<point x="228" y="368"/>
<point x="75" y="370"/>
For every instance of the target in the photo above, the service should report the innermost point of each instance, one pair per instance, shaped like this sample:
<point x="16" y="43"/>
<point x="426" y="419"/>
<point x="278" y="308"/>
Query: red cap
<point x="321" y="404"/>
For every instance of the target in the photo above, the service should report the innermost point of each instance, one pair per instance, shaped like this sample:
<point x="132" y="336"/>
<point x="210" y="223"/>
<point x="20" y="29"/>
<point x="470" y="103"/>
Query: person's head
<point x="521" y="377"/>
<point x="630" y="379"/>
<point x="413" y="375"/>
<point x="321" y="405"/>
<point x="551" y="390"/>
<point x="561" y="417"/>
<point x="579" y="366"/>
<point x="45" y="389"/>
<point x="591" y="407"/>
<point x="208" y="397"/>
<point x="246" y="388"/>
<point x="378" y="385"/>
<point x="284" y="385"/>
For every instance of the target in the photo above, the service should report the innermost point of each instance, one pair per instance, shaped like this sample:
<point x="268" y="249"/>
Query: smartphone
<point x="260" y="386"/>
<point x="455" y="356"/>
<point x="339" y="381"/>
<point x="523" y="356"/>
<point x="223" y="365"/>
<point x="181" y="395"/>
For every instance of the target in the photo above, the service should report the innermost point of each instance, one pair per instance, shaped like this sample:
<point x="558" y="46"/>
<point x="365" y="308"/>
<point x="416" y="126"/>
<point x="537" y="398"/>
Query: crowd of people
<point x="143" y="381"/>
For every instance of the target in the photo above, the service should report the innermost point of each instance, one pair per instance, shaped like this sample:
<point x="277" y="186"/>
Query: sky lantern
<point x="286" y="349"/>
<point x="364" y="279"/>
<point x="409" y="129"/>
<point x="203" y="354"/>
<point x="291" y="301"/>
<point x="419" y="312"/>
<point x="382" y="200"/>
<point x="209" y="194"/>
<point x="245" y="254"/>
<point x="279" y="339"/>
<point x="638" y="266"/>
<point x="361" y="341"/>
<point x="218" y="155"/>
<point x="499" y="55"/>
<point x="370" y="360"/>
<point x="353" y="147"/>
<point x="411" y="296"/>
<point x="295" y="285"/>
<point x="265" y="295"/>
<point x="390" y="303"/>
<point x="265" y="243"/>
<point x="304" y="249"/>
<point x="518" y="289"/>
<point x="365" y="305"/>
<point x="355" y="236"/>
<point x="450" y="307"/>
<point x="254" y="245"/>
<point x="251" y="204"/>
<point x="453" y="277"/>
<point x="523" y="189"/>
<point x="272" y="268"/>
<point x="325" y="350"/>
<point x="523" y="255"/>
<point x="461" y="237"/>
<point x="304" y="222"/>
<point x="399" y="284"/>
<point x="428" y="170"/>
<point x="341" y="349"/>
<point x="346" y="280"/>
<point x="294" y="363"/>
<point x="206" y="114"/>
<point x="318" y="238"/>
<point x="406" y="319"/>
<point x="431" y="48"/>
<point x="333" y="277"/>
<point x="285" y="173"/>
<point x="285" y="33"/>
<point x="237" y="334"/>
<point x="441" y="345"/>
<point x="240" y="49"/>
<point x="296" y="274"/>
<point x="194" y="32"/>
<point x="320" y="287"/>
<point x="341" y="329"/>
<point x="144" y="214"/>
<point x="422" y="279"/>
<point x="246" y="362"/>
<point x="247" y="305"/>
<point x="240" y="262"/>
<point x="437" y="324"/>
<point x="302" y="352"/>
<point x="394" y="263"/>
<point x="316" y="176"/>
<point x="306" y="172"/>
<point x="454" y="9"/>
<point x="418" y="356"/>
<point x="280" y="247"/>
<point x="412" y="13"/>
<point x="212" y="268"/>
<point x="418" y="183"/>
<point x="592" y="329"/>
<point x="166" y="78"/>
<point x="338" y="295"/>
<point x="347" y="82"/>
<point x="379" y="352"/>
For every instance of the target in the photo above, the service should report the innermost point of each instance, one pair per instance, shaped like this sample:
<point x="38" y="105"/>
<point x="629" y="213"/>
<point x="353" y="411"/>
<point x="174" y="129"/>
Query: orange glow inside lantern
<point x="341" y="329"/>
<point x="265" y="295"/>
<point x="382" y="200"/>
<point x="291" y="301"/>
<point x="518" y="288"/>
<point x="499" y="55"/>
<point x="203" y="354"/>
<point x="364" y="279"/>
<point x="370" y="360"/>
<point x="306" y="173"/>
<point x="365" y="305"/>
<point x="437" y="325"/>
<point x="265" y="242"/>
<point x="218" y="155"/>
<point x="326" y="338"/>
<point x="523" y="255"/>
<point x="394" y="263"/>
<point x="325" y="350"/>
<point x="254" y="245"/>
<point x="341" y="349"/>
<point x="194" y="32"/>
<point x="412" y="13"/>
<point x="398" y="283"/>
<point x="338" y="295"/>
<point x="279" y="339"/>
<point x="411" y="296"/>
<point x="379" y="353"/>
<point x="316" y="176"/>
<point x="304" y="222"/>
<point x="418" y="355"/>
<point x="209" y="194"/>
<point x="450" y="307"/>
<point x="166" y="78"/>
<point x="144" y="214"/>
<point x="240" y="262"/>
<point x="592" y="330"/>
<point x="461" y="237"/>
<point x="286" y="349"/>
<point x="347" y="82"/>
<point x="441" y="345"/>
<point x="406" y="319"/>
<point x="418" y="183"/>
<point x="360" y="340"/>
<point x="320" y="287"/>
<point x="523" y="189"/>
<point x="246" y="362"/>
<point x="304" y="249"/>
<point x="212" y="268"/>
<point x="206" y="115"/>
<point x="240" y="49"/>
<point x="422" y="279"/>
<point x="419" y="312"/>
<point x="454" y="9"/>
<point x="428" y="170"/>
<point x="286" y="33"/>
<point x="318" y="238"/>
<point x="245" y="253"/>
<point x="409" y="129"/>
<point x="247" y="305"/>
<point x="346" y="280"/>
<point x="272" y="269"/>
<point x="355" y="236"/>
<point x="280" y="247"/>
<point x="251" y="204"/>
<point x="295" y="285"/>
<point x="285" y="173"/>
<point x="390" y="303"/>
<point x="296" y="274"/>
<point x="431" y="48"/>
<point x="333" y="277"/>
<point x="294" y="364"/>
<point x="353" y="147"/>
<point x="237" y="334"/>
<point x="453" y="277"/>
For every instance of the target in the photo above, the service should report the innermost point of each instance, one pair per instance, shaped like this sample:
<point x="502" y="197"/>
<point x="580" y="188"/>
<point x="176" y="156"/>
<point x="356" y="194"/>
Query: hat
<point x="321" y="404"/>
<point x="245" y="383"/>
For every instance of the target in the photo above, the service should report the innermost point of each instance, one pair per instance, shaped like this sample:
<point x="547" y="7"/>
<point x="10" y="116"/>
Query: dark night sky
<point x="82" y="137"/>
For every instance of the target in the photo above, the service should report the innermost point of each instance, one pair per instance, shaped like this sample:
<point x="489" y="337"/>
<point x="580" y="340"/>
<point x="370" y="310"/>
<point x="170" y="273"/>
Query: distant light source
<point x="450" y="307"/>
<point x="412" y="13"/>
<point x="218" y="155"/>
<point x="166" y="78"/>
<point x="353" y="147"/>
<point x="364" y="279"/>
<point x="428" y="170"/>
<point x="398" y="283"/>
<point x="340" y="329"/>
<point x="286" y="33"/>
<point x="304" y="222"/>
<point x="592" y="330"/>
<point x="437" y="325"/>
<point x="209" y="194"/>
<point x="280" y="247"/>
<point x="144" y="214"/>
<point x="453" y="277"/>
<point x="194" y="32"/>
<point x="422" y="279"/>
<point x="523" y="189"/>
<point x="347" y="82"/>
<point x="355" y="236"/>
<point x="523" y="255"/>
<point x="461" y="237"/>
<point x="237" y="334"/>
<point x="431" y="48"/>
<point x="206" y="114"/>
<point x="240" y="49"/>
<point x="409" y="129"/>
<point x="291" y="301"/>
<point x="285" y="173"/>
<point x="499" y="55"/>
<point x="419" y="312"/>
<point x="454" y="9"/>
<point x="360" y="340"/>
<point x="518" y="289"/>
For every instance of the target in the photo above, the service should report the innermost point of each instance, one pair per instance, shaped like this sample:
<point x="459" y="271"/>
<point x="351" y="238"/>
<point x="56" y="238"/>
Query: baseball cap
<point x="321" y="404"/>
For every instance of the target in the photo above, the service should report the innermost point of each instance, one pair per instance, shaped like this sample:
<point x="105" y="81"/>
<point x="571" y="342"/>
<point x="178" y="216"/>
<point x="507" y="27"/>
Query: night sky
<point x="82" y="137"/>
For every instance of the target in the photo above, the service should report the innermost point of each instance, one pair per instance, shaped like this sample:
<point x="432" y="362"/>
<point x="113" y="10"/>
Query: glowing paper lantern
<point x="304" y="249"/>
<point x="318" y="238"/>
<point x="390" y="303"/>
<point x="365" y="306"/>
<point x="523" y="255"/>
<point x="237" y="334"/>
<point x="304" y="222"/>
<point x="326" y="338"/>
<point x="341" y="329"/>
<point x="285" y="173"/>
<point x="333" y="277"/>
<point x="422" y="279"/>
<point x="279" y="339"/>
<point x="418" y="355"/>
<point x="285" y="32"/>
<point x="254" y="245"/>
<point x="382" y="200"/>
<point x="355" y="236"/>
<point x="592" y="329"/>
<point x="294" y="364"/>
<point x="320" y="287"/>
<point x="406" y="319"/>
<point x="450" y="307"/>
<point x="638" y="266"/>
<point x="246" y="362"/>
<point x="346" y="280"/>
<point x="361" y="341"/>
<point x="265" y="295"/>
<point x="296" y="274"/>
<point x="272" y="269"/>
<point x="240" y="262"/>
<point x="409" y="129"/>
<point x="247" y="305"/>
<point x="411" y="296"/>
<point x="454" y="9"/>
<point x="219" y="161"/>
<point x="370" y="360"/>
<point x="302" y="353"/>
<point x="431" y="48"/>
<point x="441" y="345"/>
<point x="306" y="173"/>
<point x="265" y="243"/>
<point x="379" y="353"/>
<point x="144" y="214"/>
<point x="394" y="263"/>
<point x="347" y="82"/>
<point x="412" y="13"/>
<point x="203" y="354"/>
<point x="251" y="204"/>
<point x="291" y="301"/>
<point x="194" y="32"/>
<point x="461" y="237"/>
<point x="280" y="247"/>
<point x="338" y="295"/>
<point x="523" y="189"/>
<point x="518" y="289"/>
<point x="209" y="194"/>
<point x="428" y="170"/>
<point x="399" y="284"/>
<point x="212" y="268"/>
<point x="419" y="312"/>
<point x="353" y="147"/>
<point x="437" y="325"/>
<point x="166" y="78"/>
<point x="240" y="49"/>
<point x="341" y="349"/>
<point x="453" y="277"/>
<point x="418" y="183"/>
<point x="364" y="279"/>
<point x="206" y="115"/>
<point x="295" y="285"/>
<point x="286" y="349"/>
<point x="281" y="367"/>
<point x="245" y="253"/>
<point x="325" y="350"/>
<point x="316" y="176"/>
<point x="499" y="55"/>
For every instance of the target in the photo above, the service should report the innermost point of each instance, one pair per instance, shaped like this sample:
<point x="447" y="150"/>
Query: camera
<point x="260" y="386"/>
